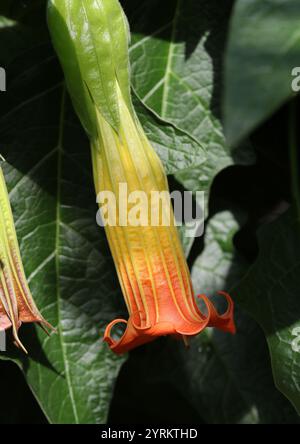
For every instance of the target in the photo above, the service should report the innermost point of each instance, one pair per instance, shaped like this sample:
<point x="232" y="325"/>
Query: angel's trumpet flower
<point x="149" y="259"/>
<point x="91" y="40"/>
<point x="16" y="303"/>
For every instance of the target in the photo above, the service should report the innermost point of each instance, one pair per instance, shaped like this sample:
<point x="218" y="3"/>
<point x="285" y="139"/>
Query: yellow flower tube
<point x="91" y="40"/>
<point x="149" y="259"/>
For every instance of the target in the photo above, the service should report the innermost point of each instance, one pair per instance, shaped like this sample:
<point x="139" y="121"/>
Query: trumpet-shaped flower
<point x="91" y="40"/>
<point x="16" y="303"/>
<point x="149" y="258"/>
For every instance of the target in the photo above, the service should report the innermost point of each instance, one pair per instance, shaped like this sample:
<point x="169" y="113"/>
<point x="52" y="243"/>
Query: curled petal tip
<point x="225" y="321"/>
<point x="19" y="345"/>
<point x="107" y="334"/>
<point x="47" y="328"/>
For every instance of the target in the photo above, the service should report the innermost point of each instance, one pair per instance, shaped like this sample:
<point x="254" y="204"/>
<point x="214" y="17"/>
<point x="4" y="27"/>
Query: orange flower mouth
<point x="136" y="335"/>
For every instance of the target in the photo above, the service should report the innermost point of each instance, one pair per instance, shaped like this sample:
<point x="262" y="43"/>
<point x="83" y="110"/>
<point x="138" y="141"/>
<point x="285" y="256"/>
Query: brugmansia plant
<point x="91" y="40"/>
<point x="207" y="93"/>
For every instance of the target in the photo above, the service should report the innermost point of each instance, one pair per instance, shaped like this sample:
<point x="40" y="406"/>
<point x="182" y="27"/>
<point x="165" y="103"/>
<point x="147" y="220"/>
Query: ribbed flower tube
<point x="16" y="303"/>
<point x="150" y="262"/>
<point x="91" y="40"/>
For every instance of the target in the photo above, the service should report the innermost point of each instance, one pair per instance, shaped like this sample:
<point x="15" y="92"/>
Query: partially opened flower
<point x="16" y="303"/>
<point x="149" y="258"/>
<point x="91" y="39"/>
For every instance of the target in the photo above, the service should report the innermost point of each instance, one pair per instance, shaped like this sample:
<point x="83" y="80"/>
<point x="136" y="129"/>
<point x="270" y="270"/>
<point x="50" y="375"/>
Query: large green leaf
<point x="178" y="150"/>
<point x="213" y="387"/>
<point x="270" y="293"/>
<point x="245" y="382"/>
<point x="176" y="55"/>
<point x="263" y="49"/>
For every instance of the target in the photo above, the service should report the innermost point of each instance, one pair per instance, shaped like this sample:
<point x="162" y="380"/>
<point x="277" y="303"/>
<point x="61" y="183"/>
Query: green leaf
<point x="248" y="385"/>
<point x="176" y="148"/>
<point x="263" y="48"/>
<point x="176" y="57"/>
<point x="216" y="268"/>
<point x="269" y="292"/>
<point x="243" y="359"/>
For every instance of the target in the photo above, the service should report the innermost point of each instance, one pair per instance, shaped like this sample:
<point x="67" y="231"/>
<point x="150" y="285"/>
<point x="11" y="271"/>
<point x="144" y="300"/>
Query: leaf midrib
<point x="57" y="255"/>
<point x="164" y="103"/>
